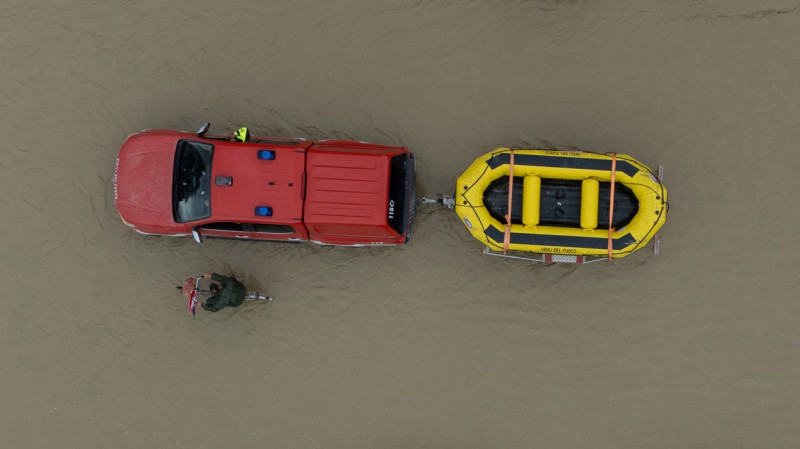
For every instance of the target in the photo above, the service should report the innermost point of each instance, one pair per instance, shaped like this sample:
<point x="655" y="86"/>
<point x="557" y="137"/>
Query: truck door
<point x="274" y="232"/>
<point x="224" y="230"/>
<point x="253" y="231"/>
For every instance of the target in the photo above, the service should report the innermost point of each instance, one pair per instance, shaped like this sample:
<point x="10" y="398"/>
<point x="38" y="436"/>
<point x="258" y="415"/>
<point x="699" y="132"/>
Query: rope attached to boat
<point x="507" y="235"/>
<point x="611" y="207"/>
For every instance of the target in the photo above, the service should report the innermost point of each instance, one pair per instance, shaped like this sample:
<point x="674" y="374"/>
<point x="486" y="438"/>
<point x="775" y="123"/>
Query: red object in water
<point x="192" y="303"/>
<point x="189" y="285"/>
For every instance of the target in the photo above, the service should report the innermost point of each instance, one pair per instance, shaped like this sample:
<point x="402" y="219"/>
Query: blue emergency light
<point x="263" y="211"/>
<point x="266" y="155"/>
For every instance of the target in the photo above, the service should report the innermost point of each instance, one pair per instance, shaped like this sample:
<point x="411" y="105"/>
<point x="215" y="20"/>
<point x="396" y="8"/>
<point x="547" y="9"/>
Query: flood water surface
<point x="432" y="344"/>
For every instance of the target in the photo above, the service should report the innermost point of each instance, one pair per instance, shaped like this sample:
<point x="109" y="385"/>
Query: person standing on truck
<point x="240" y="135"/>
<point x="227" y="292"/>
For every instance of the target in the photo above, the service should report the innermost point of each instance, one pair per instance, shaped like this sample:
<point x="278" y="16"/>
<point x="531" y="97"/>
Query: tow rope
<point x="611" y="206"/>
<point x="507" y="236"/>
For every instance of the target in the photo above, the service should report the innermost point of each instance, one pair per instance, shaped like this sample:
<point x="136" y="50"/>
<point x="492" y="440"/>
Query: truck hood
<point x="143" y="180"/>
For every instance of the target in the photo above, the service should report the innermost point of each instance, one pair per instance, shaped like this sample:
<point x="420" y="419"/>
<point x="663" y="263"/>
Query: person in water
<point x="226" y="292"/>
<point x="240" y="135"/>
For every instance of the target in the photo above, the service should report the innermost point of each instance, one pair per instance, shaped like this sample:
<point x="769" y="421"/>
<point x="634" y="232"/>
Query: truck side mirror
<point x="203" y="129"/>
<point x="197" y="237"/>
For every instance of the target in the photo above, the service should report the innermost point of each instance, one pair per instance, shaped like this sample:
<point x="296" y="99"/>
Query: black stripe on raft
<point x="520" y="238"/>
<point x="561" y="162"/>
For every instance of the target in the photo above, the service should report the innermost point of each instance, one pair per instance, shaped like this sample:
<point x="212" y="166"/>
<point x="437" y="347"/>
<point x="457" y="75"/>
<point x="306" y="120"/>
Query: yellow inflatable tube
<point x="537" y="166"/>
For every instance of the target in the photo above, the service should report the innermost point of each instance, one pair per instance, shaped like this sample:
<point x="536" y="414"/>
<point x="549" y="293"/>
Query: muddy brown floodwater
<point x="433" y="344"/>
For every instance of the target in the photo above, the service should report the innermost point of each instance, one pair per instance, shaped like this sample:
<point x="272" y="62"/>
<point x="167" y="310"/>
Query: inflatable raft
<point x="561" y="202"/>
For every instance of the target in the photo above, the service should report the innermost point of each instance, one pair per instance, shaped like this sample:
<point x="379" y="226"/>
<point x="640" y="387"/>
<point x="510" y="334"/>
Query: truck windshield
<point x="191" y="181"/>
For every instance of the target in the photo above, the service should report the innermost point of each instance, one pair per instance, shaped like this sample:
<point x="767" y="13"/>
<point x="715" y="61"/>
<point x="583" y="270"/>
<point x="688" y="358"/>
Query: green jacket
<point x="232" y="294"/>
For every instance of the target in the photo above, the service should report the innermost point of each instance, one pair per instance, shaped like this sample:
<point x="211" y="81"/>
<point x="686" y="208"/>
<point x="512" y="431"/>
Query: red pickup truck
<point x="333" y="192"/>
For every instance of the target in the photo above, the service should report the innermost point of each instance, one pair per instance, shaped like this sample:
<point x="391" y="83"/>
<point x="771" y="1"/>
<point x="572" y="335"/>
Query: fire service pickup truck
<point x="332" y="192"/>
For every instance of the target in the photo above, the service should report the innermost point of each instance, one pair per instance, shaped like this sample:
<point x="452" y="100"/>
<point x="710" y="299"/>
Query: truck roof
<point x="276" y="183"/>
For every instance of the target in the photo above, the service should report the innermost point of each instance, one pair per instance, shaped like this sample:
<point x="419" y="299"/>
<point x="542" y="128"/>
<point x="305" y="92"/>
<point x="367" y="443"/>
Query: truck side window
<point x="269" y="228"/>
<point x="224" y="226"/>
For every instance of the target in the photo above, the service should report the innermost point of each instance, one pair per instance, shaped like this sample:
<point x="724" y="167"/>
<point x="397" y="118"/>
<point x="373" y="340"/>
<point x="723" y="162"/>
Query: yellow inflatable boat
<point x="560" y="203"/>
